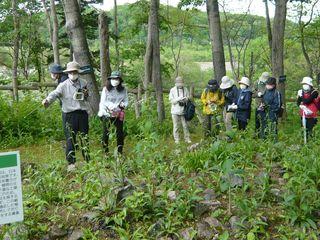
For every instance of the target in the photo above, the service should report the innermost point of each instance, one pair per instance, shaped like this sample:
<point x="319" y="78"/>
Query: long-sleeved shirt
<point x="110" y="101"/>
<point x="175" y="96"/>
<point x="272" y="101"/>
<point x="231" y="97"/>
<point x="259" y="86"/>
<point x="65" y="91"/>
<point x="209" y="98"/>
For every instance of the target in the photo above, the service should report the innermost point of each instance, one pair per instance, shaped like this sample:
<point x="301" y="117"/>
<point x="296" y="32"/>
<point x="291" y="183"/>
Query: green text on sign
<point x="8" y="161"/>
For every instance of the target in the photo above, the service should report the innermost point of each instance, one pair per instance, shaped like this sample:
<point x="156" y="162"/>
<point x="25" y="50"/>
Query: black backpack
<point x="190" y="110"/>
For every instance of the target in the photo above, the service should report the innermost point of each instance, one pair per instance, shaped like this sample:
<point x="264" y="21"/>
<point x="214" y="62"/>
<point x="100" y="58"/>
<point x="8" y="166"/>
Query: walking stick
<point x="304" y="124"/>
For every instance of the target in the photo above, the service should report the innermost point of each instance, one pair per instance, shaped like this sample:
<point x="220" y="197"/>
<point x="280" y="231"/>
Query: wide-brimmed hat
<point x="245" y="81"/>
<point x="73" y="67"/>
<point x="226" y="82"/>
<point x="56" y="69"/>
<point x="264" y="77"/>
<point x="307" y="80"/>
<point x="115" y="75"/>
<point x="179" y="81"/>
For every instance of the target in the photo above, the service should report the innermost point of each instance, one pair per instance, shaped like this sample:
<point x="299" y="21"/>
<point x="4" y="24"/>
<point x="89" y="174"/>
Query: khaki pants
<point x="227" y="118"/>
<point x="176" y="119"/>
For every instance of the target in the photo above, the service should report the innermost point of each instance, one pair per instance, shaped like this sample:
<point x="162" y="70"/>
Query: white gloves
<point x="122" y="105"/>
<point x="300" y="93"/>
<point x="259" y="94"/>
<point x="306" y="110"/>
<point x="232" y="107"/>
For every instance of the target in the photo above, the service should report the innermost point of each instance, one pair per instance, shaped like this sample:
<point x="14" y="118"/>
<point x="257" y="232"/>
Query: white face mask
<point x="54" y="76"/>
<point x="243" y="86"/>
<point x="306" y="87"/>
<point x="73" y="76"/>
<point x="269" y="87"/>
<point x="114" y="82"/>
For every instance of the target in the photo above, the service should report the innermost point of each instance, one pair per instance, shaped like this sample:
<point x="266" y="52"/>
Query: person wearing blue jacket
<point x="243" y="112"/>
<point x="230" y="92"/>
<point x="270" y="107"/>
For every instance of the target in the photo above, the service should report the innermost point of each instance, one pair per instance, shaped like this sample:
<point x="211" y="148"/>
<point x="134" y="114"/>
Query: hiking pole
<point x="32" y="111"/>
<point x="304" y="124"/>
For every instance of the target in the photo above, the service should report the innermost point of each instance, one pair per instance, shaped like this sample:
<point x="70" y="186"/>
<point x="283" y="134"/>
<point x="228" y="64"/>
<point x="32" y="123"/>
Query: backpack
<point x="190" y="110"/>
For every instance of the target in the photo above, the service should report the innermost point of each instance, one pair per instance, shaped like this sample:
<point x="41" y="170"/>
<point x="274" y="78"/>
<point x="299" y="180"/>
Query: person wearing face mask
<point x="213" y="101"/>
<point x="113" y="102"/>
<point x="230" y="92"/>
<point x="57" y="75"/>
<point x="73" y="93"/>
<point x="269" y="108"/>
<point x="257" y="93"/>
<point x="178" y="97"/>
<point x="244" y="103"/>
<point x="307" y="101"/>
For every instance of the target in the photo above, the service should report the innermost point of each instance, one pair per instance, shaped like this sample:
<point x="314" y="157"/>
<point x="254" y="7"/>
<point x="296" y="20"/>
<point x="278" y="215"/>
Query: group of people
<point x="220" y="101"/>
<point x="224" y="102"/>
<point x="73" y="93"/>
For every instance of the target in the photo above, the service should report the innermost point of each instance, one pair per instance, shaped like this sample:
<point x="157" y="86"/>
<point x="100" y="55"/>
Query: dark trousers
<point x="106" y="124"/>
<point x="258" y="121"/>
<point x="242" y="125"/>
<point x="77" y="123"/>
<point x="211" y="125"/>
<point x="269" y="127"/>
<point x="310" y="123"/>
<point x="64" y="116"/>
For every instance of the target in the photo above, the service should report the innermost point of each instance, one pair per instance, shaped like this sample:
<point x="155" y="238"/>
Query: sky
<point x="236" y="6"/>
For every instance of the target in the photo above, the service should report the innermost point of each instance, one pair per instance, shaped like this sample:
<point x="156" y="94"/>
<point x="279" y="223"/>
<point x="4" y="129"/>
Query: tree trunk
<point x="55" y="33"/>
<point x="148" y="58"/>
<point x="15" y="51"/>
<point x="152" y="58"/>
<point x="216" y="39"/>
<point x="80" y="47"/>
<point x="116" y="34"/>
<point x="278" y="43"/>
<point x="268" y="27"/>
<point x="105" y="68"/>
<point x="305" y="52"/>
<point x="156" y="70"/>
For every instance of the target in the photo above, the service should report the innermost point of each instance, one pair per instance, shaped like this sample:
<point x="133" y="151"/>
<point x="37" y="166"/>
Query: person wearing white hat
<point x="244" y="103"/>
<point x="230" y="92"/>
<point x="74" y="97"/>
<point x="178" y="97"/>
<point x="308" y="102"/>
<point x="259" y="89"/>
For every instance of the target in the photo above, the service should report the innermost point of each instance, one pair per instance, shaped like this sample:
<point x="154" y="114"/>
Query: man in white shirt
<point x="73" y="94"/>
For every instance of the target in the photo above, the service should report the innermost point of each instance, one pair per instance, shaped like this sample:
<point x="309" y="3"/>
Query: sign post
<point x="11" y="207"/>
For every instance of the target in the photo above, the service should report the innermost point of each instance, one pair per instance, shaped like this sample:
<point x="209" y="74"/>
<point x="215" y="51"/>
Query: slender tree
<point x="278" y="43"/>
<point x="105" y="68"/>
<point x="152" y="58"/>
<point x="55" y="32"/>
<point x="80" y="47"/>
<point x="15" y="50"/>
<point x="116" y="34"/>
<point x="216" y="39"/>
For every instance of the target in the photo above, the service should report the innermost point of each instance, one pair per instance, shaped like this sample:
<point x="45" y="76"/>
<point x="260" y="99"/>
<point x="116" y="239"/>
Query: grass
<point x="278" y="198"/>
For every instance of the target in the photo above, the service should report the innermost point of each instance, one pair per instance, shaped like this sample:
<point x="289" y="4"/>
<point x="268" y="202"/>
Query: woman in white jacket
<point x="114" y="99"/>
<point x="178" y="97"/>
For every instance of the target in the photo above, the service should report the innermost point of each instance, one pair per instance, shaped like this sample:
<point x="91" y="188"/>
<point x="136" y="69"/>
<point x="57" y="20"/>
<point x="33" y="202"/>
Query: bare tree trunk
<point x="216" y="39"/>
<point x="116" y="34"/>
<point x="105" y="68"/>
<point x="278" y="45"/>
<point x="15" y="51"/>
<point x="55" y="33"/>
<point x="148" y="58"/>
<point x="80" y="47"/>
<point x="156" y="71"/>
<point x="268" y="27"/>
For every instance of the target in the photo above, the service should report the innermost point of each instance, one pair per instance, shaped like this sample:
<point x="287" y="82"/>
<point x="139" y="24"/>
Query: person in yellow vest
<point x="213" y="101"/>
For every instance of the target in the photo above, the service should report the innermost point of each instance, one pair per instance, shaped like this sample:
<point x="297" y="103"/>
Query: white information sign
<point x="11" y="207"/>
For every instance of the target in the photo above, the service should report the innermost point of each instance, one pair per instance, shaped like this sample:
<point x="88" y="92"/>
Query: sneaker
<point x="71" y="168"/>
